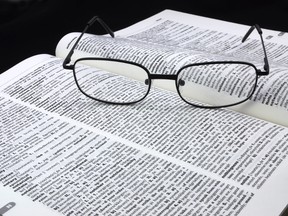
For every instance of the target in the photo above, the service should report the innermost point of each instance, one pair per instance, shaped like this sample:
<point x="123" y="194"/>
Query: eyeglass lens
<point x="111" y="81"/>
<point x="217" y="84"/>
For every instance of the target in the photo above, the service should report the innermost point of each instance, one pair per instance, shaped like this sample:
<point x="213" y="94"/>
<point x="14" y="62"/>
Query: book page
<point x="170" y="40"/>
<point x="160" y="156"/>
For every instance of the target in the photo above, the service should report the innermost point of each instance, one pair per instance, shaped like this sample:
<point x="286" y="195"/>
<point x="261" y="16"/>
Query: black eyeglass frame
<point x="258" y="72"/>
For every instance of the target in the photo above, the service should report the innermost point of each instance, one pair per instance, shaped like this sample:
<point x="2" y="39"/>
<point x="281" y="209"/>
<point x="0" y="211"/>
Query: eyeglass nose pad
<point x="147" y="82"/>
<point x="181" y="82"/>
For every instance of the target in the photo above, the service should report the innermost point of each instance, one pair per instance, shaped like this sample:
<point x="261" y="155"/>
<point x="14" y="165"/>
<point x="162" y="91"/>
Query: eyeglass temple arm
<point x="67" y="60"/>
<point x="266" y="63"/>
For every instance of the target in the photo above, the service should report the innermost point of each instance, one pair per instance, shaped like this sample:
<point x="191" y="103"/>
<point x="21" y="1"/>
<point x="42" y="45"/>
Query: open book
<point x="65" y="154"/>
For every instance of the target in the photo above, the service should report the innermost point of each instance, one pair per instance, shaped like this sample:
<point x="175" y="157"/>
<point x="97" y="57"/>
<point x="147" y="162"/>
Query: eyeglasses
<point x="214" y="84"/>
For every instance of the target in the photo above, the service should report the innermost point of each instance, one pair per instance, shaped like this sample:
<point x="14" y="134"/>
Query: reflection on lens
<point x="111" y="81"/>
<point x="216" y="84"/>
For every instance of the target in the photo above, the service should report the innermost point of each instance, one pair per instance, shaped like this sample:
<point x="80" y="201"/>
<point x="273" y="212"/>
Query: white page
<point x="162" y="129"/>
<point x="23" y="205"/>
<point x="71" y="178"/>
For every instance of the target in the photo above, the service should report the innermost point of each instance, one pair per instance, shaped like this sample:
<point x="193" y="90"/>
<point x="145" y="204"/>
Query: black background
<point x="32" y="27"/>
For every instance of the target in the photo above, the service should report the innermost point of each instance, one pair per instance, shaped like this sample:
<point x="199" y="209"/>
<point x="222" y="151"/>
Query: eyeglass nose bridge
<point x="165" y="77"/>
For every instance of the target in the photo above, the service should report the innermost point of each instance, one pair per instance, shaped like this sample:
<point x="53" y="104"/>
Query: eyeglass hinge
<point x="65" y="64"/>
<point x="70" y="67"/>
<point x="67" y="61"/>
<point x="262" y="73"/>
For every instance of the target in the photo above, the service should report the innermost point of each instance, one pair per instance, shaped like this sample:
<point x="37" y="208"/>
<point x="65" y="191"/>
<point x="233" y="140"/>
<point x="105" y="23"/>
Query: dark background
<point x="29" y="27"/>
